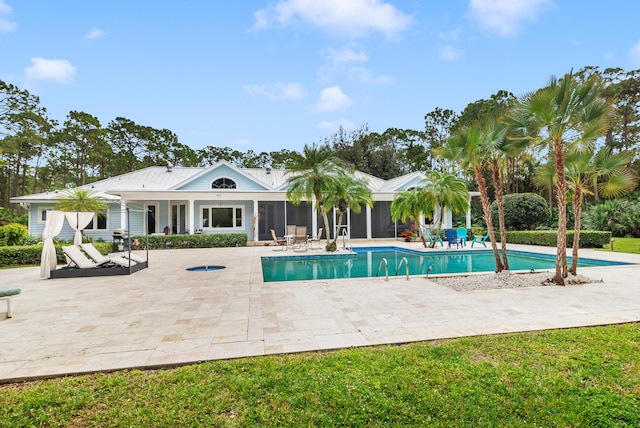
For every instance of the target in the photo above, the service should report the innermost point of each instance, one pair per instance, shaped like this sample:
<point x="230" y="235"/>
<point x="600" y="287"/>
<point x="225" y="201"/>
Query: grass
<point x="572" y="377"/>
<point x="625" y="245"/>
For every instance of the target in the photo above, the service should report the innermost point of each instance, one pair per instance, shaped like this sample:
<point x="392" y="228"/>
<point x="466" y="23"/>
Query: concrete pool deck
<point x="165" y="316"/>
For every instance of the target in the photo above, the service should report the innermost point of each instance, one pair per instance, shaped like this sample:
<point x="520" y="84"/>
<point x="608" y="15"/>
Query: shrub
<point x="192" y="241"/>
<point x="13" y="234"/>
<point x="9" y="216"/>
<point x="621" y="217"/>
<point x="588" y="238"/>
<point x="522" y="211"/>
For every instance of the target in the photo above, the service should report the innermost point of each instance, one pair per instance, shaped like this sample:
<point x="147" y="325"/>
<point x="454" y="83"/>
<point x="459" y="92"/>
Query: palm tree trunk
<point x="577" y="211"/>
<point x="486" y="209"/>
<point x="338" y="226"/>
<point x="497" y="184"/>
<point x="561" y="197"/>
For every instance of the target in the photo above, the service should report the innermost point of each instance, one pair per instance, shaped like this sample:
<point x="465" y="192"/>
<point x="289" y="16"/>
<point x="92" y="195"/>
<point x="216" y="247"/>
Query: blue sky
<point x="271" y="75"/>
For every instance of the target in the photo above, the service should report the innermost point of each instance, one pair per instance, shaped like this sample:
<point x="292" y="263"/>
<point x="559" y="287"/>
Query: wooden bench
<point x="7" y="295"/>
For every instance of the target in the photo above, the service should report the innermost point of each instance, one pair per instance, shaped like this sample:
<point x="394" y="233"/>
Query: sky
<point x="272" y="75"/>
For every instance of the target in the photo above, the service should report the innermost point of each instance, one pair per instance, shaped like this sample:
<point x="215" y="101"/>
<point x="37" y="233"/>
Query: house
<point x="221" y="198"/>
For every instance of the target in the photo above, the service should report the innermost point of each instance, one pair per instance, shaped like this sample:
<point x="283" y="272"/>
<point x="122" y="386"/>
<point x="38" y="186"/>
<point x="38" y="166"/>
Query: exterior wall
<point x="204" y="182"/>
<point x="36" y="225"/>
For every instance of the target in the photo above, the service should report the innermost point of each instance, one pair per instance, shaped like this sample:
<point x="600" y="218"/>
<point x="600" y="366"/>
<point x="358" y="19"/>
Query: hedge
<point x="588" y="238"/>
<point x="20" y="255"/>
<point x="217" y="240"/>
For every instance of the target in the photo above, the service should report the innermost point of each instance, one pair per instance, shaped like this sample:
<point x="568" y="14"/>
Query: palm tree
<point x="607" y="172"/>
<point x="566" y="113"/>
<point x="80" y="200"/>
<point x="410" y="204"/>
<point x="316" y="173"/>
<point x="444" y="191"/>
<point x="473" y="146"/>
<point x="351" y="195"/>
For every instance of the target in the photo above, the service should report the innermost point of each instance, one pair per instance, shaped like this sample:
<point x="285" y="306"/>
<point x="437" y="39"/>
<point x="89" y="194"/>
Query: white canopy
<point x="55" y="220"/>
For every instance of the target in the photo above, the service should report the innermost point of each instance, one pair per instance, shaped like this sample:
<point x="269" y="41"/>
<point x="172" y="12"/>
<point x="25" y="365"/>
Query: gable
<point x="222" y="171"/>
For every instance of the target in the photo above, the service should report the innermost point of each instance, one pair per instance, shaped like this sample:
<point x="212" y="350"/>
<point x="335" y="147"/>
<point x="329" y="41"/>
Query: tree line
<point x="38" y="153"/>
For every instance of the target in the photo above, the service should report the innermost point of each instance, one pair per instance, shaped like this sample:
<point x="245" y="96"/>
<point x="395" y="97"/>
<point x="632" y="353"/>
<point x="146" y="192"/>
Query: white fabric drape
<point x="78" y="221"/>
<point x="53" y="226"/>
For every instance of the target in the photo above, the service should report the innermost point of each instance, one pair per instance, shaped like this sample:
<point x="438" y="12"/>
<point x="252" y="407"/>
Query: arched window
<point x="223" y="183"/>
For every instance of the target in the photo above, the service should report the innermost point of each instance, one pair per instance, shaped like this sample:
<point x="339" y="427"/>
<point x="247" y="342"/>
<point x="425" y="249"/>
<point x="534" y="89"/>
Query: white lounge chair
<point x="80" y="260"/>
<point x="100" y="259"/>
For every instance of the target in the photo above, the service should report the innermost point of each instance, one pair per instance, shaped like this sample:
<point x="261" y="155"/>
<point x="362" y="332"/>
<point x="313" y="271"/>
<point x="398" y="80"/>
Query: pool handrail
<point x="406" y="265"/>
<point x="386" y="268"/>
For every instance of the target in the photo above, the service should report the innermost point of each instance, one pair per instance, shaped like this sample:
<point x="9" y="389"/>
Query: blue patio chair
<point x="477" y="239"/>
<point x="462" y="234"/>
<point x="452" y="238"/>
<point x="432" y="238"/>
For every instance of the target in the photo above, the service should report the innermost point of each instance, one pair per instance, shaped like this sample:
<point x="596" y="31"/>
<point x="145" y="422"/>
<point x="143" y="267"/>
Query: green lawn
<point x="572" y="377"/>
<point x="625" y="245"/>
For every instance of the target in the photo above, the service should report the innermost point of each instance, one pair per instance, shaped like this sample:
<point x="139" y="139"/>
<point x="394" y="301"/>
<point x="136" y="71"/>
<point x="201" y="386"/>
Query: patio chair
<point x="433" y="239"/>
<point x="278" y="241"/>
<point x="318" y="238"/>
<point x="452" y="238"/>
<point x="300" y="238"/>
<point x="480" y="240"/>
<point x="462" y="234"/>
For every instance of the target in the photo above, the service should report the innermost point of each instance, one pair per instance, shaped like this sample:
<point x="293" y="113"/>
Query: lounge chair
<point x="318" y="238"/>
<point x="80" y="260"/>
<point x="278" y="241"/>
<point x="433" y="239"/>
<point x="452" y="238"/>
<point x="462" y="234"/>
<point x="100" y="259"/>
<point x="480" y="240"/>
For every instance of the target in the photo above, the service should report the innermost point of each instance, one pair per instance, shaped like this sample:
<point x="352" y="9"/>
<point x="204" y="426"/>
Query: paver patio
<point x="165" y="315"/>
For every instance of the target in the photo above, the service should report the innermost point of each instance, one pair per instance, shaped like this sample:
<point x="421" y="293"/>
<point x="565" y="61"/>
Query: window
<point x="223" y="183"/>
<point x="222" y="217"/>
<point x="42" y="214"/>
<point x="99" y="222"/>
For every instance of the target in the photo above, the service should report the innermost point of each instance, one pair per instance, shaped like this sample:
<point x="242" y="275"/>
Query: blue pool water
<point x="364" y="263"/>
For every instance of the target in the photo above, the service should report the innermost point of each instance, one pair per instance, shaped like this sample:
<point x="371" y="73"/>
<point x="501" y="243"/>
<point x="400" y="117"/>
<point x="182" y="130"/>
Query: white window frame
<point x="94" y="223"/>
<point x="214" y="227"/>
<point x="41" y="211"/>
<point x="224" y="188"/>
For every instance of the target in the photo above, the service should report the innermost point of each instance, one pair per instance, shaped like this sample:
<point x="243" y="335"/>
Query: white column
<point x="123" y="215"/>
<point x="468" y="222"/>
<point x="368" y="216"/>
<point x="314" y="218"/>
<point x="255" y="224"/>
<point x="191" y="216"/>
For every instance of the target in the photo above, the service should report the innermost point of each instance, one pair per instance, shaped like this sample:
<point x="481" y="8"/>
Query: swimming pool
<point x="364" y="263"/>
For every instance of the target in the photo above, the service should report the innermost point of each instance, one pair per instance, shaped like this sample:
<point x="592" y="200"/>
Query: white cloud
<point x="364" y="75"/>
<point x="634" y="53"/>
<point x="277" y="91"/>
<point x="450" y="53"/>
<point x="6" y="25"/>
<point x="50" y="70"/>
<point x="333" y="99"/>
<point x="341" y="62"/>
<point x="355" y="18"/>
<point x="95" y="33"/>
<point x="504" y="16"/>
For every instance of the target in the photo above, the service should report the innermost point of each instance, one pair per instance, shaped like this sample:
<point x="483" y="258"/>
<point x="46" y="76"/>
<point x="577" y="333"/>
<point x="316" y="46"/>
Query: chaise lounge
<point x="80" y="265"/>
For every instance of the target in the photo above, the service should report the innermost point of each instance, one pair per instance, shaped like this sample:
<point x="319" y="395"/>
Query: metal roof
<point x="162" y="178"/>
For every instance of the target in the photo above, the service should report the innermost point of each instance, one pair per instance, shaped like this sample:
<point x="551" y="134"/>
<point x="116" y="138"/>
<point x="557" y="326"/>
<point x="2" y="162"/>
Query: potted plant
<point x="408" y="235"/>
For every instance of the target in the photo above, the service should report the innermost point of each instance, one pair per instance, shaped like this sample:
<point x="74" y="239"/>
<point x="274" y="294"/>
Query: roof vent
<point x="169" y="168"/>
<point x="268" y="171"/>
